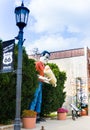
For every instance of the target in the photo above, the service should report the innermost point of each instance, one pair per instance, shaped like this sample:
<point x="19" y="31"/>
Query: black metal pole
<point x="81" y="93"/>
<point x="76" y="91"/>
<point x="17" y="125"/>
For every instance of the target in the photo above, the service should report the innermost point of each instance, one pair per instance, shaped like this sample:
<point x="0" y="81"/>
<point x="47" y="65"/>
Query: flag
<point x="7" y="55"/>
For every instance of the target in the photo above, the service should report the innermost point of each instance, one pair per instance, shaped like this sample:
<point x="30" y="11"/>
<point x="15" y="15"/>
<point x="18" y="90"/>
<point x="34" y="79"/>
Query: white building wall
<point x="74" y="67"/>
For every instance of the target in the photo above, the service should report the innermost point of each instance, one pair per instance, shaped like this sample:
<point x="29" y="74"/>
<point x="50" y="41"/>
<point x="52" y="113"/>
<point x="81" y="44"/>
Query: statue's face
<point x="45" y="58"/>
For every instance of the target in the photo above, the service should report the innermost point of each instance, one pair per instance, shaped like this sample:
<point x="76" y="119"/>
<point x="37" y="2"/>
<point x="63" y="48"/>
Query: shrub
<point x="29" y="113"/>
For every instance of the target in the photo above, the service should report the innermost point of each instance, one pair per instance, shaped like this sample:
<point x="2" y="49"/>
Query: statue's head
<point x="44" y="56"/>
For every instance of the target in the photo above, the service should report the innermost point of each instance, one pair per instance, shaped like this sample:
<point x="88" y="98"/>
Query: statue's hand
<point x="45" y="79"/>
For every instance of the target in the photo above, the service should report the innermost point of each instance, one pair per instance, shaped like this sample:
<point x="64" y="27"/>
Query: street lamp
<point x="21" y="14"/>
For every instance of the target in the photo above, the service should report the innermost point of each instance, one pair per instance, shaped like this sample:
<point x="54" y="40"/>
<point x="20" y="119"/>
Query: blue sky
<point x="53" y="25"/>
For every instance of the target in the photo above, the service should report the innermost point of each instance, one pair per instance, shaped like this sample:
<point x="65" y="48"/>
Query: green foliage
<point x="29" y="113"/>
<point x="7" y="97"/>
<point x="8" y="88"/>
<point x="54" y="97"/>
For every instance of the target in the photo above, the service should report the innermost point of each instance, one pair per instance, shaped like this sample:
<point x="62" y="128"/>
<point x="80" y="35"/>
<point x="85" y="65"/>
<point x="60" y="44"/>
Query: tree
<point x="8" y="87"/>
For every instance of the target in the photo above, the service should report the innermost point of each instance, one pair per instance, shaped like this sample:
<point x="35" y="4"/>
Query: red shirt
<point x="40" y="67"/>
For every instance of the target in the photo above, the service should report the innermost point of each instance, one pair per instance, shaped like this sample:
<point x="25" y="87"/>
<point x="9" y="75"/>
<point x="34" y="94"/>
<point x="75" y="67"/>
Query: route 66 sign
<point x="7" y="58"/>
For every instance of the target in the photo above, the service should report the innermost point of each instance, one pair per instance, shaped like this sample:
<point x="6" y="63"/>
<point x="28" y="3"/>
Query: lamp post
<point x="21" y="14"/>
<point x="76" y="91"/>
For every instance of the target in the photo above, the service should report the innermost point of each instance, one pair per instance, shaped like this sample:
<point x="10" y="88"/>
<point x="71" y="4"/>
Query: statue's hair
<point x="44" y="52"/>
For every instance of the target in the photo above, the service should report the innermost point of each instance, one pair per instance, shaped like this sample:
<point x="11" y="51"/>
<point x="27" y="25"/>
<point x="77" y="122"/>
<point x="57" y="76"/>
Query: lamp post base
<point x="17" y="125"/>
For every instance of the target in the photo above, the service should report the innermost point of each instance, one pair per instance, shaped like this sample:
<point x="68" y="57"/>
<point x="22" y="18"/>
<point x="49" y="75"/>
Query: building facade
<point x="76" y="64"/>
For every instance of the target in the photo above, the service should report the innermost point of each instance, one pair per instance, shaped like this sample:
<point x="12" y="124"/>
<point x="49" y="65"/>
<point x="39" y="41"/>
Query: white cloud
<point x="52" y="15"/>
<point x="61" y="24"/>
<point x="52" y="43"/>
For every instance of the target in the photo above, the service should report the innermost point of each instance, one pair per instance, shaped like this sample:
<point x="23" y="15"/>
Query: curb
<point x="7" y="127"/>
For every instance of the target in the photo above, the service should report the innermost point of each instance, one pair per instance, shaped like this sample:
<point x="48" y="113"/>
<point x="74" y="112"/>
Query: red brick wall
<point x="67" y="53"/>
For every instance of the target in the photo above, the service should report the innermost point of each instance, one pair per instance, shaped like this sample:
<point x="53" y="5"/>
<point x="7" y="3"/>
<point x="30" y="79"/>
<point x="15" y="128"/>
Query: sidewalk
<point x="82" y="123"/>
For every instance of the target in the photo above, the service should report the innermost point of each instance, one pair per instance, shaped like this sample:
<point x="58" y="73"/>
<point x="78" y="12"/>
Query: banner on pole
<point x="7" y="55"/>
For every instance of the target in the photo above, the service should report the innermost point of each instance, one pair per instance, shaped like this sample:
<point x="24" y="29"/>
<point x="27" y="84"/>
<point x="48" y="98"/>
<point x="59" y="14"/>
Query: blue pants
<point x="36" y="103"/>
